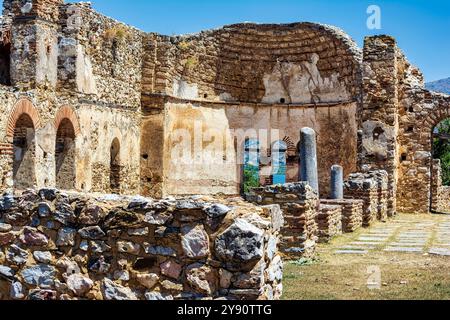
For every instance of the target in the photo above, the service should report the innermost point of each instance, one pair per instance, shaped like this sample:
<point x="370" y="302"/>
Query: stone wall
<point x="378" y="148"/>
<point x="440" y="194"/>
<point x="359" y="186"/>
<point x="300" y="205"/>
<point x="329" y="222"/>
<point x="69" y="246"/>
<point x="256" y="63"/>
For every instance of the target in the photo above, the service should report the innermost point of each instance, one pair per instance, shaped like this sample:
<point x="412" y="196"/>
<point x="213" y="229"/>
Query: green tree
<point x="251" y="178"/>
<point x="441" y="150"/>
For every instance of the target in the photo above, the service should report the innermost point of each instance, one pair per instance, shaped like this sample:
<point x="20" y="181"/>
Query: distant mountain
<point x="440" y="86"/>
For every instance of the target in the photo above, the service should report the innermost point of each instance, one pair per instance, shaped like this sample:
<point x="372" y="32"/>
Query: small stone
<point x="6" y="238"/>
<point x="16" y="292"/>
<point x="44" y="295"/>
<point x="272" y="247"/>
<point x="84" y="246"/>
<point x="61" y="287"/>
<point x="16" y="255"/>
<point x="256" y="220"/>
<point x="138" y="232"/>
<point x="217" y="210"/>
<point x="43" y="256"/>
<point x="241" y="243"/>
<point x="122" y="275"/>
<point x="91" y="215"/>
<point x="6" y="273"/>
<point x="79" y="284"/>
<point x="148" y="280"/>
<point x="251" y="279"/>
<point x="275" y="270"/>
<point x="99" y="247"/>
<point x="171" y="286"/>
<point x="39" y="275"/>
<point x="44" y="210"/>
<point x="225" y="278"/>
<point x="129" y="247"/>
<point x="7" y="202"/>
<point x="64" y="212"/>
<point x="114" y="291"/>
<point x="48" y="194"/>
<point x="66" y="237"/>
<point x="4" y="227"/>
<point x="32" y="237"/>
<point x="160" y="251"/>
<point x="99" y="265"/>
<point x="92" y="233"/>
<point x="202" y="278"/>
<point x="158" y="219"/>
<point x="195" y="242"/>
<point x="171" y="269"/>
<point x="157" y="296"/>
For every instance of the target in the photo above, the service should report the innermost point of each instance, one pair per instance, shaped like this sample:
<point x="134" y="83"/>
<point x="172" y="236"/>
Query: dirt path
<point x="406" y="258"/>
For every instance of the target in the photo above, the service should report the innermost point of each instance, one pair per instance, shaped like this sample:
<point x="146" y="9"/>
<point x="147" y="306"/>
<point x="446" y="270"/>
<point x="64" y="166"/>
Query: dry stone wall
<point x="359" y="186"/>
<point x="300" y="204"/>
<point x="68" y="246"/>
<point x="352" y="213"/>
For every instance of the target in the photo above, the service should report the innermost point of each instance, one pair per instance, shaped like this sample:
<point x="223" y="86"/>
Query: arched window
<point x="115" y="174"/>
<point x="24" y="175"/>
<point x="65" y="156"/>
<point x="251" y="164"/>
<point x="279" y="165"/>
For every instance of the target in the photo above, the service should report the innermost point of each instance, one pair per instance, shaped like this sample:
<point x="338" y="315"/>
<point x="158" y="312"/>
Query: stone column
<point x="308" y="158"/>
<point x="337" y="183"/>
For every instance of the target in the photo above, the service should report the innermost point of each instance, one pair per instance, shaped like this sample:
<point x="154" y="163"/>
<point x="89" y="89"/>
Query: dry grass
<point x="344" y="277"/>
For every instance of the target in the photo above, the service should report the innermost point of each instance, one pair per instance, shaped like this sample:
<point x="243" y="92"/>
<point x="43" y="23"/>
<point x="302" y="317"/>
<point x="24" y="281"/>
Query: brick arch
<point x="23" y="106"/>
<point x="67" y="112"/>
<point x="434" y="117"/>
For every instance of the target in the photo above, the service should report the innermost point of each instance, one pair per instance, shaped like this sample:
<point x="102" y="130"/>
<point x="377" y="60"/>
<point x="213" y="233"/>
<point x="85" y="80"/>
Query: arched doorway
<point x="440" y="170"/>
<point x="65" y="156"/>
<point x="251" y="174"/>
<point x="24" y="175"/>
<point x="115" y="168"/>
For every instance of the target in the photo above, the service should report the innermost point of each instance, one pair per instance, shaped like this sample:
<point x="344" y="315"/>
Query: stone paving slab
<point x="402" y="244"/>
<point x="440" y="251"/>
<point x="351" y="252"/>
<point x="404" y="249"/>
<point x="377" y="239"/>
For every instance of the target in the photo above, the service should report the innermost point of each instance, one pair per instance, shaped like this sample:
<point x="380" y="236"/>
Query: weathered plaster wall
<point x="230" y="124"/>
<point x="98" y="126"/>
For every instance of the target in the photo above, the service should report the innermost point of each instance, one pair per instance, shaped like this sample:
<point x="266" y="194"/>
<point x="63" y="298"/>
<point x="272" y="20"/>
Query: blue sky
<point x="421" y="26"/>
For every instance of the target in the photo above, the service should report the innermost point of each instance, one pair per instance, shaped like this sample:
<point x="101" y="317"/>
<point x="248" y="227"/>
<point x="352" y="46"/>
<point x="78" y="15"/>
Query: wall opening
<point x="65" y="156"/>
<point x="440" y="168"/>
<point x="251" y="175"/>
<point x="5" y="53"/>
<point x="279" y="163"/>
<point x="115" y="174"/>
<point x="24" y="175"/>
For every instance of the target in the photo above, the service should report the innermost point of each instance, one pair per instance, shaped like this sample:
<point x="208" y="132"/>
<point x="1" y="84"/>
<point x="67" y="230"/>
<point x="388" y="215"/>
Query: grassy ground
<point x="336" y="277"/>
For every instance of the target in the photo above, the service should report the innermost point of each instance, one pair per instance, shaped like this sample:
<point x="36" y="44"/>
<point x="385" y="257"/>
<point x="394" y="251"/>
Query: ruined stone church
<point x="94" y="105"/>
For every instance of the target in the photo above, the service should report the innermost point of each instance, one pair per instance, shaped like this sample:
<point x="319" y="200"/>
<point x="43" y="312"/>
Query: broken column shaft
<point x="337" y="183"/>
<point x="308" y="158"/>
